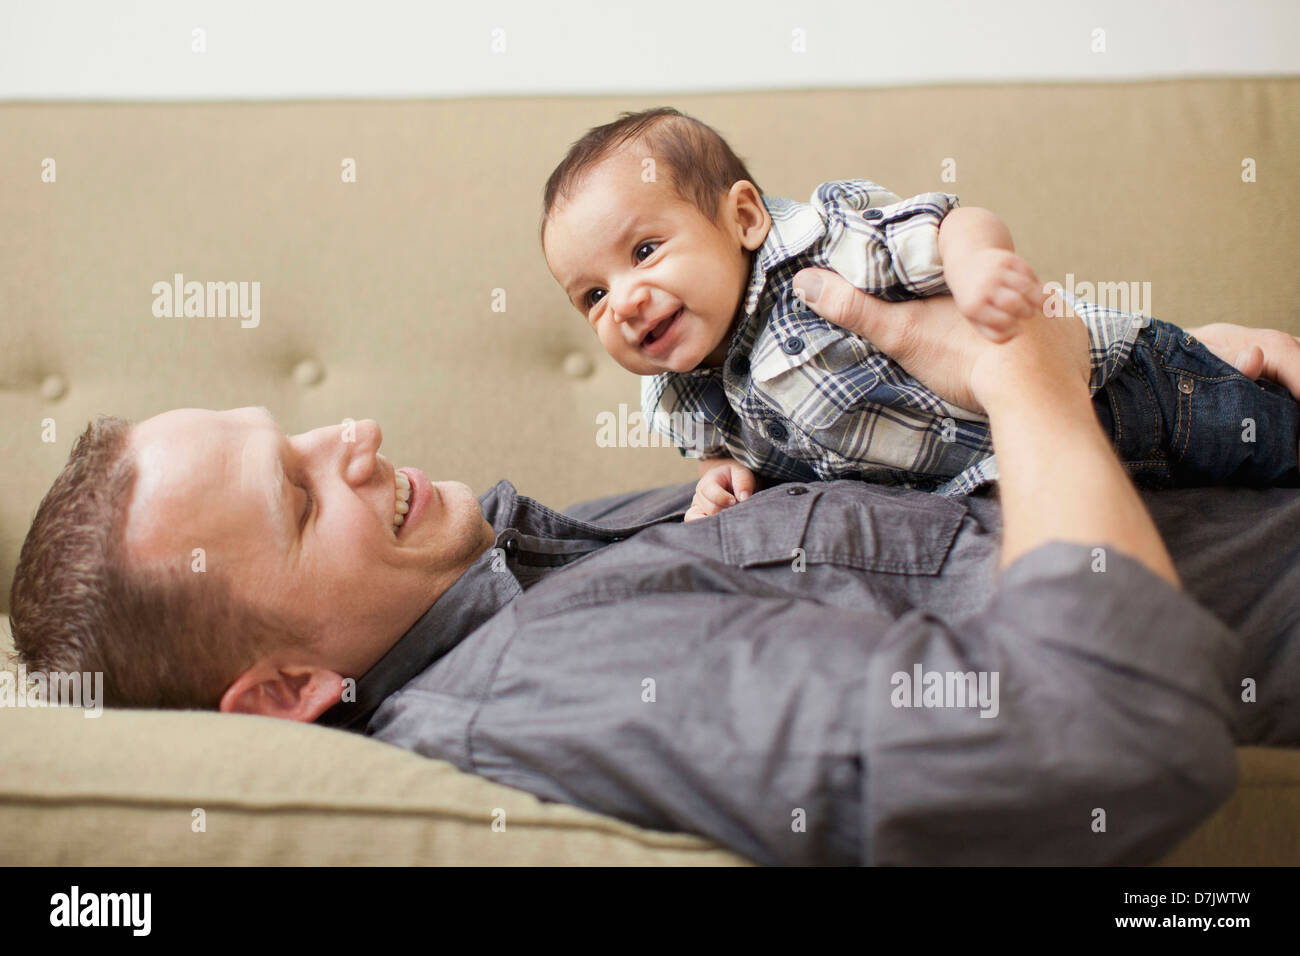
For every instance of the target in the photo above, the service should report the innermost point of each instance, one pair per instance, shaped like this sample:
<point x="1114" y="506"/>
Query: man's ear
<point x="294" y="691"/>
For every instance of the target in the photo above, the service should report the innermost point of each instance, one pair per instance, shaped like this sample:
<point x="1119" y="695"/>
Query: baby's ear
<point x="749" y="212"/>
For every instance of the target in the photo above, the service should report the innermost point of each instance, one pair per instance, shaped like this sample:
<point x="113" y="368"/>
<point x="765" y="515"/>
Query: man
<point x="763" y="677"/>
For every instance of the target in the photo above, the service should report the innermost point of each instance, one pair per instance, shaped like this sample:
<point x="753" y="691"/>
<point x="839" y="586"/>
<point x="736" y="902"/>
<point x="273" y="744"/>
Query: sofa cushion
<point x="122" y="789"/>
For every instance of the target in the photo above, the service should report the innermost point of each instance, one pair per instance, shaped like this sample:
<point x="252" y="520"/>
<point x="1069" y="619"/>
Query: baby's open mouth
<point x="660" y="328"/>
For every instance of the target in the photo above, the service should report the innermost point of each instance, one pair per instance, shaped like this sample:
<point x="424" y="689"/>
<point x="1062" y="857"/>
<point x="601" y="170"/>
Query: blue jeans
<point x="1180" y="416"/>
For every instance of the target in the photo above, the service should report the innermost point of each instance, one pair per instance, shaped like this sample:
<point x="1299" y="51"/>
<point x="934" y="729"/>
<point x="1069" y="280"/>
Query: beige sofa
<point x="377" y="301"/>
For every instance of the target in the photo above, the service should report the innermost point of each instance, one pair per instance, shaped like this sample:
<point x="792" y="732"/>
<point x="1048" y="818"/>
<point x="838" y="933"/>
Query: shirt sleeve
<point x="676" y="407"/>
<point x="1109" y="741"/>
<point x="883" y="245"/>
<point x="1111" y="334"/>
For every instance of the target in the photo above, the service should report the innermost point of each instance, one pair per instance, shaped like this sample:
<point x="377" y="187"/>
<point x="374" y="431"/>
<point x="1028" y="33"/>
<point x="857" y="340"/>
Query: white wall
<point x="256" y="49"/>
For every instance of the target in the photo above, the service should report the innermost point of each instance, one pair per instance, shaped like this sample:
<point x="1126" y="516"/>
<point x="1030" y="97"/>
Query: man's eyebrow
<point x="621" y="237"/>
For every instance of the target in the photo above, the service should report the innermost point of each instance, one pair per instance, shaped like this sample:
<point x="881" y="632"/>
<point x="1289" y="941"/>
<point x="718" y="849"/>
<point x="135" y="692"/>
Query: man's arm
<point x="1113" y="736"/>
<point x="1059" y="477"/>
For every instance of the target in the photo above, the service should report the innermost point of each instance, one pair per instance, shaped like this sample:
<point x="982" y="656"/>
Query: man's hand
<point x="1059" y="477"/>
<point x="1049" y="351"/>
<point x="996" y="290"/>
<point x="1255" y="353"/>
<point x="928" y="337"/>
<point x="723" y="483"/>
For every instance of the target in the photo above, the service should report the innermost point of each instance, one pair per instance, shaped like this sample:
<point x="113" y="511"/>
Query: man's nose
<point x="351" y="446"/>
<point x="361" y="441"/>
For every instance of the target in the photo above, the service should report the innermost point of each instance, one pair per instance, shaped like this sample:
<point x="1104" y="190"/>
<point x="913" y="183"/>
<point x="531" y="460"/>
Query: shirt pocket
<point x="814" y="378"/>
<point x="847" y="413"/>
<point x="810" y="371"/>
<point x="768" y="527"/>
<point x="846" y="523"/>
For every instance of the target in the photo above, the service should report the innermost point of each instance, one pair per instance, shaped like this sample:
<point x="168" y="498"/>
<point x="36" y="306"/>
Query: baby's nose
<point x="630" y="303"/>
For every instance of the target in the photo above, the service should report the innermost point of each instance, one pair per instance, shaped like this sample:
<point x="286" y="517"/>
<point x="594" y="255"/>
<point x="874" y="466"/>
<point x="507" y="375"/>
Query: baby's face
<point x="658" y="282"/>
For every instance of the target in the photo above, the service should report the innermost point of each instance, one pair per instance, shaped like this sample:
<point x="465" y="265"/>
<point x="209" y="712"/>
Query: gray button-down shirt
<point x="835" y="673"/>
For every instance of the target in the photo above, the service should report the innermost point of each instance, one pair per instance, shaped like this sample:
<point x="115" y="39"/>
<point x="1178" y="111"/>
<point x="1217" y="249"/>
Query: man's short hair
<point x="700" y="164"/>
<point x="164" y="635"/>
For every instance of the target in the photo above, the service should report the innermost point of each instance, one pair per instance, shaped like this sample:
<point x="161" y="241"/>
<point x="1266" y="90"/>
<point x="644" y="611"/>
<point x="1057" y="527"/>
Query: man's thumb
<point x="832" y="297"/>
<point x="808" y="285"/>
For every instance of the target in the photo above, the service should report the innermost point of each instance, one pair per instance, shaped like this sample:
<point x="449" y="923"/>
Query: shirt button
<point x="511" y="546"/>
<point x="792" y="346"/>
<point x="1185" y="384"/>
<point x="797" y="490"/>
<point x="777" y="432"/>
<point x="872" y="214"/>
<point x="740" y="365"/>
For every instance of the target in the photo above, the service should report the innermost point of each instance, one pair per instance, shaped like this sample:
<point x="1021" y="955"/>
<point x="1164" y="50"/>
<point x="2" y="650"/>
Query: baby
<point x="662" y="239"/>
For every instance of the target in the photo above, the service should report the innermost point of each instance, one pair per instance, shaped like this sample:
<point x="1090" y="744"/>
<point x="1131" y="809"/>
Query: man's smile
<point x="418" y="492"/>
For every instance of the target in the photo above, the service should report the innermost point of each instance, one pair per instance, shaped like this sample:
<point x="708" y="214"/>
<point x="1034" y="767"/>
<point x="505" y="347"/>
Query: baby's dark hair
<point x="699" y="163"/>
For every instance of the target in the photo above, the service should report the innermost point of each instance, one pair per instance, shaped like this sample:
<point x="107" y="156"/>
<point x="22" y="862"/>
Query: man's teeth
<point x="402" y="503"/>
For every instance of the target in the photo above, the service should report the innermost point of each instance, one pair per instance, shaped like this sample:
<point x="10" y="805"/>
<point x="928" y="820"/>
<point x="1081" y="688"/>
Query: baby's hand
<point x="721" y="486"/>
<point x="996" y="290"/>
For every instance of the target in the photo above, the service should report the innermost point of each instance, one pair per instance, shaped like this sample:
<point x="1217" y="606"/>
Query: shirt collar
<point x="473" y="598"/>
<point x="531" y="541"/>
<point x="795" y="227"/>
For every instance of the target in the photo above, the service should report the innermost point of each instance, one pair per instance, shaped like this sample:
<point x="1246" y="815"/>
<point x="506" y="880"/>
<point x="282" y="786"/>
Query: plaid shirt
<point x="800" y="399"/>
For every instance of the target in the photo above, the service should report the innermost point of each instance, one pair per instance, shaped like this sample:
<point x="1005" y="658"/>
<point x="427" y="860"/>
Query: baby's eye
<point x="651" y="245"/>
<point x="590" y="302"/>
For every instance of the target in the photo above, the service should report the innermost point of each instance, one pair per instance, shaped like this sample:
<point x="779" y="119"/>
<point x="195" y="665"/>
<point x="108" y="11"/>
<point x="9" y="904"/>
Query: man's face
<point x="659" y="283"/>
<point x="302" y="525"/>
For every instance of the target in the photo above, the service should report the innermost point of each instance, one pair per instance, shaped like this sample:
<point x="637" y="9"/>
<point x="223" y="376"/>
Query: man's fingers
<point x="1282" y="365"/>
<point x="1255" y="353"/>
<point x="1250" y="362"/>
